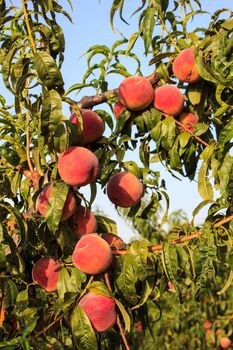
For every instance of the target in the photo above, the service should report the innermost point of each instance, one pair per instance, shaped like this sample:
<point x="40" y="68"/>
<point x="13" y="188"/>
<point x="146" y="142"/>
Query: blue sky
<point x="91" y="25"/>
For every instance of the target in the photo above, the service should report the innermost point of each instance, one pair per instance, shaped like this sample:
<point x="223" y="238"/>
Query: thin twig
<point x="122" y="333"/>
<point x="177" y="241"/>
<point x="184" y="127"/>
<point x="32" y="42"/>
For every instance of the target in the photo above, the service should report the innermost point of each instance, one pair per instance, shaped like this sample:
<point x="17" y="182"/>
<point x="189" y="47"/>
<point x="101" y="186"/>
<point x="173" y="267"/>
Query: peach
<point x="184" y="67"/>
<point x="93" y="125"/>
<point x="100" y="309"/>
<point x="136" y="93"/>
<point x="188" y="119"/>
<point x="225" y="342"/>
<point x="118" y="109"/>
<point x="83" y="221"/>
<point x="113" y="240"/>
<point x="124" y="189"/>
<point x="45" y="273"/>
<point x="92" y="254"/>
<point x="69" y="206"/>
<point x="78" y="166"/>
<point x="168" y="99"/>
<point x="207" y="324"/>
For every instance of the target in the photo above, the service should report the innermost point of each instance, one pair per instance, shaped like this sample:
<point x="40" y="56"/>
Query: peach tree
<point x="68" y="281"/>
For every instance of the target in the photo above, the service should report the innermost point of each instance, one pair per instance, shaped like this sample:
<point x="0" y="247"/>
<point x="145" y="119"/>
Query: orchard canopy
<point x="67" y="278"/>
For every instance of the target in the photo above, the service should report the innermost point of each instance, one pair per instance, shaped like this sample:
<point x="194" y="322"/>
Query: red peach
<point x="184" y="67"/>
<point x="45" y="273"/>
<point x="207" y="324"/>
<point x="168" y="99"/>
<point x="100" y="309"/>
<point x="83" y="221"/>
<point x="136" y="93"/>
<point x="188" y="119"/>
<point x="225" y="342"/>
<point x="92" y="254"/>
<point x="124" y="189"/>
<point x="78" y="166"/>
<point x="118" y="109"/>
<point x="113" y="240"/>
<point x="69" y="206"/>
<point x="93" y="125"/>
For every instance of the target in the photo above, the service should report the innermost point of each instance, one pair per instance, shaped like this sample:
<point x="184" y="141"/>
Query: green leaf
<point x="63" y="282"/>
<point x="105" y="224"/>
<point x="148" y="26"/>
<point x="144" y="295"/>
<point x="132" y="41"/>
<point x="82" y="331"/>
<point x="126" y="280"/>
<point x="48" y="70"/>
<point x="51" y="113"/>
<point x="31" y="325"/>
<point x="204" y="186"/>
<point x="55" y="205"/>
<point x="227" y="284"/>
<point x="170" y="264"/>
<point x="99" y="287"/>
<point x="124" y="314"/>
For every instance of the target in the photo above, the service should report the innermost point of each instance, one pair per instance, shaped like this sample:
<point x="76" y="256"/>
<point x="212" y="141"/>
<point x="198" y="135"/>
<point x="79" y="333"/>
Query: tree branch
<point x="177" y="241"/>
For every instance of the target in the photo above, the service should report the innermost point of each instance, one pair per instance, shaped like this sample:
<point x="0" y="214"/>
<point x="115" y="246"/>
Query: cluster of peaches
<point x="137" y="93"/>
<point x="223" y="341"/>
<point x="78" y="166"/>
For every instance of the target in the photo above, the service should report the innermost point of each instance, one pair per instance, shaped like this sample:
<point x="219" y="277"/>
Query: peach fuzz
<point x="118" y="109"/>
<point x="225" y="342"/>
<point x="184" y="67"/>
<point x="69" y="206"/>
<point x="113" y="240"/>
<point x="83" y="221"/>
<point x="136" y="93"/>
<point x="93" y="125"/>
<point x="100" y="309"/>
<point x="78" y="166"/>
<point x="124" y="189"/>
<point x="188" y="119"/>
<point x="169" y="100"/>
<point x="45" y="273"/>
<point x="92" y="254"/>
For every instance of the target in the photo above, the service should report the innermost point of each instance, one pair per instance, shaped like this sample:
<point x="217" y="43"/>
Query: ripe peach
<point x="207" y="324"/>
<point x="168" y="99"/>
<point x="136" y="93"/>
<point x="83" y="221"/>
<point x="113" y="240"/>
<point x="225" y="342"/>
<point x="45" y="273"/>
<point x="188" y="119"/>
<point x="184" y="67"/>
<point x="124" y="189"/>
<point x="69" y="206"/>
<point x="92" y="254"/>
<point x="100" y="309"/>
<point x="78" y="166"/>
<point x="118" y="109"/>
<point x="93" y="125"/>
